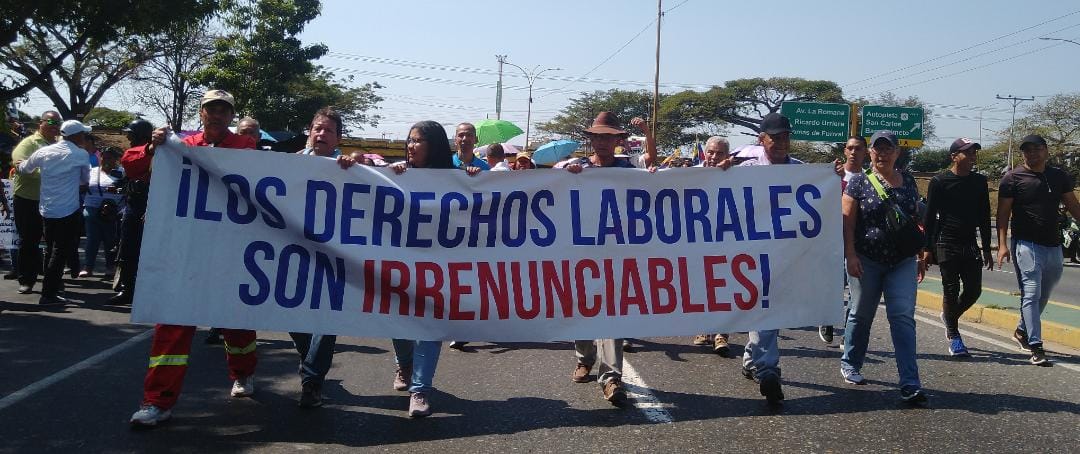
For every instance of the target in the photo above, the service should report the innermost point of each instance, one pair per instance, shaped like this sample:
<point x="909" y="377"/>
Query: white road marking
<point x="30" y="390"/>
<point x="1058" y="362"/>
<point x="643" y="399"/>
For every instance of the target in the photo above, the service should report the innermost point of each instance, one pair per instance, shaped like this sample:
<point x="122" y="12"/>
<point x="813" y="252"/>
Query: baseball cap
<point x="887" y="135"/>
<point x="218" y="95"/>
<point x="775" y="123"/>
<point x="1032" y="139"/>
<point x="72" y="127"/>
<point x="963" y="144"/>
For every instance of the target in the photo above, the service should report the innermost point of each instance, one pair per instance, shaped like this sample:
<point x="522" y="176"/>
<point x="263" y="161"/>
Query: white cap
<point x="72" y="127"/>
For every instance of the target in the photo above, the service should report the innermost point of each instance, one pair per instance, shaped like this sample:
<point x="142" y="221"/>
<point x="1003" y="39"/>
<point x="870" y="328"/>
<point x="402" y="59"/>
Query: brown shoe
<point x="720" y="346"/>
<point x="402" y="378"/>
<point x="614" y="392"/>
<point x="581" y="374"/>
<point x="701" y="339"/>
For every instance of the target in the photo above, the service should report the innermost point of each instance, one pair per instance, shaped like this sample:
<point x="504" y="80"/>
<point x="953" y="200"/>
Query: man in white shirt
<point x="65" y="173"/>
<point x="496" y="158"/>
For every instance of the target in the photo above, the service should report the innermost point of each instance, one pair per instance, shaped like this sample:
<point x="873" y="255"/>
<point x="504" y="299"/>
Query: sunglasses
<point x="52" y="122"/>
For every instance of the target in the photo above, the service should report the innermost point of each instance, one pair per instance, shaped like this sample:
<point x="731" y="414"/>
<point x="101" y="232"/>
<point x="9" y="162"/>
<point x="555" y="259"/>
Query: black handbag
<point x="904" y="229"/>
<point x="109" y="211"/>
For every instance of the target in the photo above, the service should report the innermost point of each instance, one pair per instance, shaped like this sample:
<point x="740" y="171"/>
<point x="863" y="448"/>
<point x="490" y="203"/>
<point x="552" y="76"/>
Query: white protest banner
<point x="287" y="242"/>
<point x="9" y="239"/>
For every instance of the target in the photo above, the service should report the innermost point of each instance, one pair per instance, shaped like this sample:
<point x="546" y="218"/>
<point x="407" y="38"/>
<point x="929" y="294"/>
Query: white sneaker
<point x="853" y="377"/>
<point x="149" y="415"/>
<point x="244" y="387"/>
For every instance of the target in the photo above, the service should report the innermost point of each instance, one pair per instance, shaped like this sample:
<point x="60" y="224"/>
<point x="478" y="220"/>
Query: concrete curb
<point x="1003" y="319"/>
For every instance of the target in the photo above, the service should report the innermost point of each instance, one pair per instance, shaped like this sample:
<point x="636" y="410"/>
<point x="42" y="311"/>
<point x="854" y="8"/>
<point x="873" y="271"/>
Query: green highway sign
<point x="906" y="122"/>
<point x="818" y="122"/>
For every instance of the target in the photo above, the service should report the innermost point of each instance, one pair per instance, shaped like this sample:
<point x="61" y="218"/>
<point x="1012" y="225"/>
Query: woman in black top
<point x="958" y="203"/>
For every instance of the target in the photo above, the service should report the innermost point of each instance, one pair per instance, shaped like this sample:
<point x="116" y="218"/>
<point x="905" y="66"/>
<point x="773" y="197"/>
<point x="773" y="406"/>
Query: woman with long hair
<point x="427" y="148"/>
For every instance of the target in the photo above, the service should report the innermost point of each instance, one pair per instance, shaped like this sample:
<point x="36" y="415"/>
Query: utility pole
<point x="656" y="77"/>
<point x="498" y="91"/>
<point x="1015" y="101"/>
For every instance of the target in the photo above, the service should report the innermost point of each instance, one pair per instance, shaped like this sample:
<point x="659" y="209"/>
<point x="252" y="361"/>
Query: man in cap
<point x="27" y="194"/>
<point x="958" y="203"/>
<point x="761" y="356"/>
<point x="172" y="343"/>
<point x="1029" y="195"/>
<point x="604" y="134"/>
<point x="136" y="165"/>
<point x="65" y="173"/>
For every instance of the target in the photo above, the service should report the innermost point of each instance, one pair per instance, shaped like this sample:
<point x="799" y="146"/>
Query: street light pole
<point x="1012" y="126"/>
<point x="531" y="76"/>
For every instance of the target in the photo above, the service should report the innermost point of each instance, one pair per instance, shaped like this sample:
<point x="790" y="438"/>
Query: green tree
<point x="165" y="83"/>
<point x="107" y="118"/>
<point x="930" y="160"/>
<point x="38" y="38"/>
<point x="572" y="121"/>
<point x="307" y="94"/>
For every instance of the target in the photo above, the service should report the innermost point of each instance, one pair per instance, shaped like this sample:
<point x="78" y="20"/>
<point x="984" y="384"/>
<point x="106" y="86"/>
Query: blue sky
<point x="436" y="58"/>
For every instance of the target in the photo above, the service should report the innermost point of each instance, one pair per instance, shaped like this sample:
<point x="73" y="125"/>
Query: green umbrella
<point x="495" y="131"/>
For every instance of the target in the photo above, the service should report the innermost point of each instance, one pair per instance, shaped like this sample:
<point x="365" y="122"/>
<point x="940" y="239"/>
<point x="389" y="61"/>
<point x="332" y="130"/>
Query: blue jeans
<point x="762" y="353"/>
<point x="898" y="284"/>
<point x="98" y="231"/>
<point x="422" y="357"/>
<point x="316" y="354"/>
<point x="1038" y="270"/>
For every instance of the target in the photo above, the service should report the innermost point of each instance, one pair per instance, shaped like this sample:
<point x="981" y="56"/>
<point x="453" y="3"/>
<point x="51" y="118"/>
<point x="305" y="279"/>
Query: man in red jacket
<point x="172" y="344"/>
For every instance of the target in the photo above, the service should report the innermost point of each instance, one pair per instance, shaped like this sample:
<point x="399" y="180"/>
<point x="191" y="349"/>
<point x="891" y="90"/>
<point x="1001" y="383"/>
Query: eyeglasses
<point x="52" y="122"/>
<point x="411" y="141"/>
<point x="885" y="150"/>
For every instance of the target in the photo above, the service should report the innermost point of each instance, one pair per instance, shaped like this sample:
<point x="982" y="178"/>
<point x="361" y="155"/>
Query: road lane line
<point x="1011" y="346"/>
<point x="1002" y="292"/>
<point x="30" y="390"/>
<point x="644" y="400"/>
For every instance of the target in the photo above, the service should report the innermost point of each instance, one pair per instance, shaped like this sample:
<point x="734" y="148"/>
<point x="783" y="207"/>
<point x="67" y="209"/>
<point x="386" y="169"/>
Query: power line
<point x="957" y="62"/>
<point x="970" y="69"/>
<point x="939" y="57"/>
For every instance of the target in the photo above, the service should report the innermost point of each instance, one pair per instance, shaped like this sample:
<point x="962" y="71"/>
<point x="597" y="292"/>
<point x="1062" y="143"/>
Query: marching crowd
<point x="64" y="187"/>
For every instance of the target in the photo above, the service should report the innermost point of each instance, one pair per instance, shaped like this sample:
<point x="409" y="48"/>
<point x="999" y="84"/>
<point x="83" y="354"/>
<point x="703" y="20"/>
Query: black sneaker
<point x="458" y="345"/>
<point x="310" y="396"/>
<point x="1038" y="356"/>
<point x="25" y="289"/>
<point x="55" y="300"/>
<point x="825" y="333"/>
<point x="1022" y="339"/>
<point x="913" y="395"/>
<point x="748" y="374"/>
<point x="770" y="388"/>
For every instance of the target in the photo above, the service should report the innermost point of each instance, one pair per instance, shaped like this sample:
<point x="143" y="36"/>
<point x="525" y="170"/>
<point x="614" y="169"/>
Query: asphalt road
<point x="71" y="377"/>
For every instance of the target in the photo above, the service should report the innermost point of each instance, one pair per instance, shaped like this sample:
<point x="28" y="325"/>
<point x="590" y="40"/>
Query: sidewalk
<point x="1060" y="321"/>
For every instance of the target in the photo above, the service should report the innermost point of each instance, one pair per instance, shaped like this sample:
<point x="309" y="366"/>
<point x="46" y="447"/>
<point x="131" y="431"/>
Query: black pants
<point x="966" y="269"/>
<point x="29" y="225"/>
<point x="131" y="231"/>
<point x="63" y="235"/>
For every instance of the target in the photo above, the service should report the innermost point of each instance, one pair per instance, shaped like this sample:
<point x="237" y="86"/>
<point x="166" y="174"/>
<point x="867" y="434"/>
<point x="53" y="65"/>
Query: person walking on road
<point x="881" y="260"/>
<point x="171" y="346"/>
<point x="26" y="189"/>
<point x="854" y="155"/>
<point x="958" y="204"/>
<point x="1028" y="200"/>
<point x="604" y="134"/>
<point x="426" y="148"/>
<point x="317" y="350"/>
<point x="65" y="172"/>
